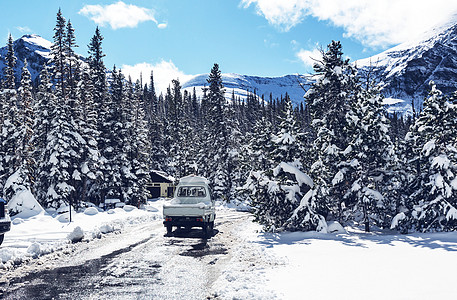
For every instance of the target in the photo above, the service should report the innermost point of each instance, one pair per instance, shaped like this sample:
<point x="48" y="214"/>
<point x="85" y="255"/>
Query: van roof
<point x="193" y="179"/>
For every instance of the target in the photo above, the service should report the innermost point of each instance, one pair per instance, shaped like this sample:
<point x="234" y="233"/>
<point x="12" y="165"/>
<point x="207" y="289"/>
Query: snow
<point x="441" y="161"/>
<point x="25" y="204"/>
<point x="373" y="194"/>
<point x="428" y="147"/>
<point x="301" y="177"/>
<point x="347" y="264"/>
<point x="242" y="85"/>
<point x="76" y="235"/>
<point x="391" y="101"/>
<point x="338" y="177"/>
<point x="335" y="227"/>
<point x="399" y="217"/>
<point x="342" y="264"/>
<point x="91" y="211"/>
<point x="356" y="266"/>
<point x="37" y="41"/>
<point x="35" y="235"/>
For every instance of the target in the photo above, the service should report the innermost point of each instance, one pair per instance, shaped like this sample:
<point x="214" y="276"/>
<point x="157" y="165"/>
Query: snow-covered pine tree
<point x="11" y="117"/>
<point x="373" y="157"/>
<point x="156" y="127"/>
<point x="214" y="155"/>
<point x="61" y="157"/>
<point x="86" y="120"/>
<point x="140" y="149"/>
<point x="117" y="172"/>
<point x="43" y="110"/>
<point x="329" y="102"/>
<point x="101" y="102"/>
<point x="282" y="192"/>
<point x="235" y="160"/>
<point x="58" y="55"/>
<point x="24" y="164"/>
<point x="70" y="60"/>
<point x="10" y="63"/>
<point x="98" y="75"/>
<point x="433" y="205"/>
<point x="177" y="129"/>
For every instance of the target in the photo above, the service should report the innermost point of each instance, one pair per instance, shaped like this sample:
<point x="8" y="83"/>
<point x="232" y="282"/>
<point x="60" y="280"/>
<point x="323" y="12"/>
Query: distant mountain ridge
<point x="241" y="85"/>
<point x="32" y="47"/>
<point x="407" y="69"/>
<point x="404" y="70"/>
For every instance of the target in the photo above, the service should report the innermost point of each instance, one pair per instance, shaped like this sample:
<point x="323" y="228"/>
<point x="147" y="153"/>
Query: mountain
<point x="32" y="47"/>
<point x="241" y="85"/>
<point x="407" y="69"/>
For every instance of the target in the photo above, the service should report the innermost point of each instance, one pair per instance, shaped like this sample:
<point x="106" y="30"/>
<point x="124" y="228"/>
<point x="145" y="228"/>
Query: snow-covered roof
<point x="163" y="175"/>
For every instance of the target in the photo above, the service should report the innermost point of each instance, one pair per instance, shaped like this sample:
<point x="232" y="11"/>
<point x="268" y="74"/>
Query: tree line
<point x="350" y="164"/>
<point x="85" y="132"/>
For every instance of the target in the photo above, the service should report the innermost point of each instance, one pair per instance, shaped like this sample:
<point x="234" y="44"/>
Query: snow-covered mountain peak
<point x="241" y="85"/>
<point x="392" y="58"/>
<point x="407" y="69"/>
<point x="36" y="40"/>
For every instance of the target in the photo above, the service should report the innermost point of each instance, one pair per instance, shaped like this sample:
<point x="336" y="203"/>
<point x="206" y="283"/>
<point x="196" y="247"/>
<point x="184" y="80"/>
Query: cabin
<point x="161" y="185"/>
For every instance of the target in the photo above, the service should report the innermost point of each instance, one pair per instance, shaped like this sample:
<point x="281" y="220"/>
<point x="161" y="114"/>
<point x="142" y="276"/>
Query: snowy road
<point x="140" y="263"/>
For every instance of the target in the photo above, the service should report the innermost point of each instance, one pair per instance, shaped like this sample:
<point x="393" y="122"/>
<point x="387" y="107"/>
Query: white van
<point x="192" y="206"/>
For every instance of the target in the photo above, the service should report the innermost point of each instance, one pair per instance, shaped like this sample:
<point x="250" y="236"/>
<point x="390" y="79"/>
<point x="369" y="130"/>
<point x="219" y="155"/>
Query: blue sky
<point x="178" y="38"/>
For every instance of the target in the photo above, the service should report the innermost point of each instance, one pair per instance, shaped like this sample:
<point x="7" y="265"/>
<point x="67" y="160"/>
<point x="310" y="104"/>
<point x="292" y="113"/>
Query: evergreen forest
<point x="84" y="132"/>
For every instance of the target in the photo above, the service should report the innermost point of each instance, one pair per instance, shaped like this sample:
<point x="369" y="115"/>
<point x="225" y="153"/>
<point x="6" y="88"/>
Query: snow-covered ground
<point x="46" y="232"/>
<point x="242" y="262"/>
<point x="354" y="265"/>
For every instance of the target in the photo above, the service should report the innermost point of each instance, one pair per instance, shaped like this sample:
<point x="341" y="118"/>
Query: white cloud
<point x="24" y="29"/>
<point x="374" y="22"/>
<point x="309" y="57"/>
<point x="162" y="25"/>
<point x="164" y="73"/>
<point x="118" y="15"/>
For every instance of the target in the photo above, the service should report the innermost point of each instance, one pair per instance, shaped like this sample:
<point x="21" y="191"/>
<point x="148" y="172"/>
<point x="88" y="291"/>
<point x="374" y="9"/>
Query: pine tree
<point x="61" y="158"/>
<point x="214" y="157"/>
<point x="156" y="128"/>
<point x="58" y="55"/>
<point x="140" y="149"/>
<point x="373" y="157"/>
<point x="101" y="102"/>
<point x="432" y="206"/>
<point x="11" y="118"/>
<point x="43" y="110"/>
<point x="10" y="63"/>
<point x="71" y="60"/>
<point x="282" y="192"/>
<point x="23" y="162"/>
<point x="329" y="101"/>
<point x="86" y="120"/>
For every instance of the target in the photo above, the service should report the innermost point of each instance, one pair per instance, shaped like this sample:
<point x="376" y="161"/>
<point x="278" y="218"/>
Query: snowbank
<point x="33" y="235"/>
<point x="24" y="205"/>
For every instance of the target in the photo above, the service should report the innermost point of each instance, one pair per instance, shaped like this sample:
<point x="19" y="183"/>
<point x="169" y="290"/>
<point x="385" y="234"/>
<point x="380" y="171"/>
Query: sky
<point x="180" y="38"/>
